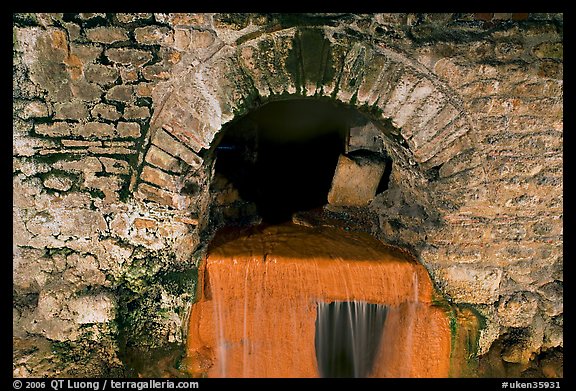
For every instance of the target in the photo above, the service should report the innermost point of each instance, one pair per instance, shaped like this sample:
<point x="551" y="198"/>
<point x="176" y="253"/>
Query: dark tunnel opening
<point x="282" y="157"/>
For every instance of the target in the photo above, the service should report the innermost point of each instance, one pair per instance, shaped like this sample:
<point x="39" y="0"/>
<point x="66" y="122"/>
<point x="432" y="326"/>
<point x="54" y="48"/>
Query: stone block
<point x="467" y="283"/>
<point x="549" y="50"/>
<point x="518" y="310"/>
<point x="104" y="111"/>
<point x="201" y="39"/>
<point x="182" y="19"/>
<point x="132" y="17"/>
<point x="88" y="165"/>
<point x="181" y="39"/>
<point x="99" y="308"/>
<point x="71" y="110"/>
<point x="33" y="109"/>
<point x="144" y="89"/>
<point x="86" y="53"/>
<point x="128" y="129"/>
<point x="73" y="30"/>
<point x="125" y="56"/>
<point x="121" y="93"/>
<point x="97" y="129"/>
<point x="355" y="181"/>
<point x="101" y="74"/>
<point x="80" y="143"/>
<point x="57" y="182"/>
<point x="89" y="92"/>
<point x="106" y="34"/>
<point x="129" y="75"/>
<point x="367" y="137"/>
<point x="154" y="35"/>
<point x="56" y="129"/>
<point x="156" y="72"/>
<point x="91" y="15"/>
<point x="136" y="112"/>
<point x="115" y="166"/>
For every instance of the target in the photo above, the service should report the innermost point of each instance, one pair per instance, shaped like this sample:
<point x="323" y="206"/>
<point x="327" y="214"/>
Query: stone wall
<point x="115" y="118"/>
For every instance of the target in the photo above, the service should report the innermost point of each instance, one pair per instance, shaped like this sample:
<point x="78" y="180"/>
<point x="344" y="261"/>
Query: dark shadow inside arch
<point x="282" y="156"/>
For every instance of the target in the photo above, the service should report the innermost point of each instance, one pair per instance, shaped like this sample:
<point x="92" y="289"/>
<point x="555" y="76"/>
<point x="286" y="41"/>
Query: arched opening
<point x="281" y="158"/>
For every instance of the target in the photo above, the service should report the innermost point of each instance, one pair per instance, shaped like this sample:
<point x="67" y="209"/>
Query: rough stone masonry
<point x="115" y="117"/>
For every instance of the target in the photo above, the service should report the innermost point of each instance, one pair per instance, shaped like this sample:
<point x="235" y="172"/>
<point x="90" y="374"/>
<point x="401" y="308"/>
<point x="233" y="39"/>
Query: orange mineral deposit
<point x="265" y="295"/>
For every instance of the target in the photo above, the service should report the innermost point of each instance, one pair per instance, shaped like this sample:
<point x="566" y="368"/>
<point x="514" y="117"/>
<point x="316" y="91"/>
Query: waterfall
<point x="292" y="301"/>
<point x="348" y="335"/>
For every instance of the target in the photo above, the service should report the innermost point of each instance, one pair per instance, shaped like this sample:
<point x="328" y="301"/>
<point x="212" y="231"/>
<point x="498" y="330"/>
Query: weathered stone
<point x="156" y="72"/>
<point x="126" y="56"/>
<point x="97" y="129"/>
<point x="128" y="129"/>
<point x="108" y="185"/>
<point x="58" y="182"/>
<point x="121" y="93"/>
<point x="86" y="53"/>
<point x="30" y="270"/>
<point x="355" y="181"/>
<point x="104" y="111"/>
<point x="182" y="19"/>
<point x="80" y="143"/>
<point x="129" y="18"/>
<point x="83" y="271"/>
<point x="76" y="110"/>
<point x="467" y="283"/>
<point x="89" y="15"/>
<point x="106" y="34"/>
<point x="201" y="39"/>
<point x="140" y="223"/>
<point x="94" y="309"/>
<point x="518" y="310"/>
<point x="129" y="75"/>
<point x="27" y="146"/>
<point x="166" y="142"/>
<point x="157" y="157"/>
<point x="144" y="89"/>
<point x="115" y="166"/>
<point x="56" y="129"/>
<point x="163" y="197"/>
<point x="154" y="35"/>
<point x="33" y="109"/>
<point x="44" y="53"/>
<point x="170" y="56"/>
<point x="136" y="112"/>
<point x="79" y="223"/>
<point x="509" y="50"/>
<point x="161" y="179"/>
<point x="181" y="39"/>
<point x="101" y="74"/>
<point x="85" y="91"/>
<point x="553" y="293"/>
<point x="549" y="50"/>
<point x="73" y="30"/>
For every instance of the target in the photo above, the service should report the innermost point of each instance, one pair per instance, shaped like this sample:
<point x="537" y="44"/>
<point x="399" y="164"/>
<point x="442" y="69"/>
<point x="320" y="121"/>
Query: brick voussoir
<point x="176" y="148"/>
<point x="163" y="197"/>
<point x="160" y="178"/>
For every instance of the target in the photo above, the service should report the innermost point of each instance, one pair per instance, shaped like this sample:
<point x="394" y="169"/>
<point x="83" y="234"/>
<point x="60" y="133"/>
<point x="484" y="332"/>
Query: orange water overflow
<point x="258" y="294"/>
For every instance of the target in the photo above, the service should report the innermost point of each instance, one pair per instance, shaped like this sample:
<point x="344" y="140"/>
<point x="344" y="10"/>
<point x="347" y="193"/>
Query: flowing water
<point x="348" y="335"/>
<point x="294" y="301"/>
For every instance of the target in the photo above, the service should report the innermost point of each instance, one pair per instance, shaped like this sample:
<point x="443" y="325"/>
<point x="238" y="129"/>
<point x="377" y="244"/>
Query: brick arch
<point x="312" y="62"/>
